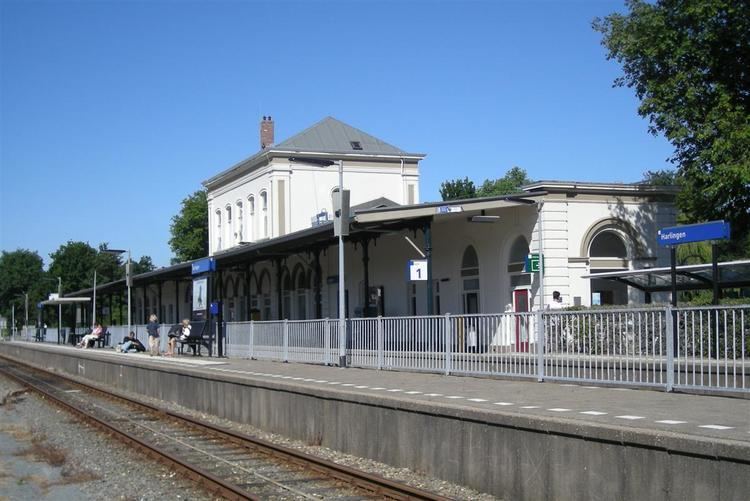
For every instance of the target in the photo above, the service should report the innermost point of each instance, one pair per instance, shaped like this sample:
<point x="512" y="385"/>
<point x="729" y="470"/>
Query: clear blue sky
<point x="113" y="112"/>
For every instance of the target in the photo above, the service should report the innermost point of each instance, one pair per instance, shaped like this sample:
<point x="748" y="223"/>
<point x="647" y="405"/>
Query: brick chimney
<point x="266" y="132"/>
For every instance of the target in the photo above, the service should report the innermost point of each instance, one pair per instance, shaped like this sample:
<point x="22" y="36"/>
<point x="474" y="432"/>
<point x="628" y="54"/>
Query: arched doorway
<point x="608" y="252"/>
<point x="470" y="280"/>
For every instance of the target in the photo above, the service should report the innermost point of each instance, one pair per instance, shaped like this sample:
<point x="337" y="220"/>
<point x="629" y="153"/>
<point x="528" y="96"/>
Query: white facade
<point x="269" y="194"/>
<point x="477" y="267"/>
<point x="282" y="197"/>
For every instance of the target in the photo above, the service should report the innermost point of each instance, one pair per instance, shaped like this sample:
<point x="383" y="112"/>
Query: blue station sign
<point x="204" y="266"/>
<point x="714" y="230"/>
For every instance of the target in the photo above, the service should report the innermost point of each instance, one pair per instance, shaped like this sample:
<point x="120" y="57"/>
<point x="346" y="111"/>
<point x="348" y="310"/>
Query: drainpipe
<point x="403" y="186"/>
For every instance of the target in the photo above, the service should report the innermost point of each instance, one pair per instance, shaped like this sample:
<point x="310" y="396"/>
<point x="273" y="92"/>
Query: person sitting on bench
<point x="131" y="343"/>
<point x="92" y="336"/>
<point x="176" y="332"/>
<point x="187" y="334"/>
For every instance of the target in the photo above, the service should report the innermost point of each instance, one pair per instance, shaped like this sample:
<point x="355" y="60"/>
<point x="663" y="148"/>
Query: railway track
<point x="224" y="462"/>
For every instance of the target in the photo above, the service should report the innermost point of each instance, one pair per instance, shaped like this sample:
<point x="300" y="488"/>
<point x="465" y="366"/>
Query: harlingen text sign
<point x="676" y="235"/>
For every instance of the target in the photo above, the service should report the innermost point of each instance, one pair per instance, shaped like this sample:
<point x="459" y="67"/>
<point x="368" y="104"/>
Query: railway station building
<point x="271" y="236"/>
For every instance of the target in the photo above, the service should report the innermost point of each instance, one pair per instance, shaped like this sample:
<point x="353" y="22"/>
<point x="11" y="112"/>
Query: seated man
<point x="131" y="343"/>
<point x="91" y="337"/>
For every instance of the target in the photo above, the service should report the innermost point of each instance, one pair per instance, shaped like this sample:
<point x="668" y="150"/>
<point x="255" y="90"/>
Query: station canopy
<point x="64" y="300"/>
<point x="731" y="274"/>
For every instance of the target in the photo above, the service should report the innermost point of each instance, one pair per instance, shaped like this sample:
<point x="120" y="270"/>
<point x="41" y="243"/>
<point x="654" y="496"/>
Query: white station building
<point x="271" y="235"/>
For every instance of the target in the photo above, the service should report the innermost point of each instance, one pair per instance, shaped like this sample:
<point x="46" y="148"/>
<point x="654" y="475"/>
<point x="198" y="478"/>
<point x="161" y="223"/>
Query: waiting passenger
<point x="153" y="335"/>
<point x="174" y="333"/>
<point x="92" y="336"/>
<point x="131" y="343"/>
<point x="186" y="328"/>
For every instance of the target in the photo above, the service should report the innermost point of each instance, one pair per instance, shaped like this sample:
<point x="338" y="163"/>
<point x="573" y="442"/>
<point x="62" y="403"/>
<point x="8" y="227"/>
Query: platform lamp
<point x="59" y="308"/>
<point x="128" y="276"/>
<point x="343" y="229"/>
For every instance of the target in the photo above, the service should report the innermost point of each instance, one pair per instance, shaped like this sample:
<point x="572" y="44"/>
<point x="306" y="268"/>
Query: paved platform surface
<point x="713" y="417"/>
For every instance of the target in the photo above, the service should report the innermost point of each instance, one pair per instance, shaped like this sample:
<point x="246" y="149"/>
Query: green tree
<point x="74" y="262"/>
<point x="21" y="272"/>
<point x="189" y="229"/>
<point x="143" y="265"/>
<point x="511" y="182"/>
<point x="458" y="189"/>
<point x="663" y="177"/>
<point x="687" y="61"/>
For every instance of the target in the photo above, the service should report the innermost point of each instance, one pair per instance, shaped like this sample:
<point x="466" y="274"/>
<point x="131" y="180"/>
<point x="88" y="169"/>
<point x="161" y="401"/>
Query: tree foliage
<point x="74" y="262"/>
<point x="189" y="228"/>
<point x="687" y="61"/>
<point x="663" y="177"/>
<point x="458" y="189"/>
<point x="21" y="272"/>
<point x="511" y="182"/>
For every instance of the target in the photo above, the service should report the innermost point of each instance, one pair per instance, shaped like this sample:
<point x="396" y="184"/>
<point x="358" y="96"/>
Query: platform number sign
<point x="417" y="269"/>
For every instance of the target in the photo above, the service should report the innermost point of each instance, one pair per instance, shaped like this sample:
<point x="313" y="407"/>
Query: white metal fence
<point x="712" y="348"/>
<point x="623" y="346"/>
<point x="705" y="348"/>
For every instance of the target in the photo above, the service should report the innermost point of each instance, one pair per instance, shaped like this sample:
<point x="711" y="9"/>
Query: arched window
<point x="519" y="250"/>
<point x="470" y="280"/>
<point x="251" y="218"/>
<point x="286" y="295"/>
<point x="230" y="298"/>
<point x="264" y="213"/>
<point x="254" y="292"/>
<point x="218" y="230"/>
<point x="608" y="244"/>
<point x="516" y="260"/>
<point x="302" y="287"/>
<point x="265" y="295"/>
<point x="229" y="237"/>
<point x="239" y="234"/>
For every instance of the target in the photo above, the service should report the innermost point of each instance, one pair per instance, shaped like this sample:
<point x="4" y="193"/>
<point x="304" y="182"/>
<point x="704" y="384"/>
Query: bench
<point x="100" y="342"/>
<point x="103" y="339"/>
<point x="200" y="335"/>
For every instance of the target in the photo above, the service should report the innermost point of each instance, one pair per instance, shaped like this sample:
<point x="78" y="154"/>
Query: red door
<point x="521" y="304"/>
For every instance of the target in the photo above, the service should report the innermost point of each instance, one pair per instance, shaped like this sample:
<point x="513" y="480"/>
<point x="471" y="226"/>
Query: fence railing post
<point x="448" y="339"/>
<point x="285" y="354"/>
<point x="327" y="342"/>
<point x="671" y="335"/>
<point x="381" y="347"/>
<point x="539" y="346"/>
<point x="252" y="339"/>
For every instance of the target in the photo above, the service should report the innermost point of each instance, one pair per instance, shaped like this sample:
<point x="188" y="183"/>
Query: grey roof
<point x="377" y="203"/>
<point x="331" y="135"/>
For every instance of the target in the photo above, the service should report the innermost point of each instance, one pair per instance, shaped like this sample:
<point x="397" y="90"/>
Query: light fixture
<point x="483" y="218"/>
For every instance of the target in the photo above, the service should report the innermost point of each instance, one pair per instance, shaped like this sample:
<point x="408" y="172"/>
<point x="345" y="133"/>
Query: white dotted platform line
<point x="628" y="417"/>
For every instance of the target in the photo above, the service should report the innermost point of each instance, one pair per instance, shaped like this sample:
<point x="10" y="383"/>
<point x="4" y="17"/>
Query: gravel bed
<point x="94" y="465"/>
<point x="405" y="475"/>
<point x="133" y="476"/>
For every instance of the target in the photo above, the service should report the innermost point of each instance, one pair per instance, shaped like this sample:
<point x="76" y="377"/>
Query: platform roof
<point x="732" y="274"/>
<point x="65" y="300"/>
<point x="368" y="219"/>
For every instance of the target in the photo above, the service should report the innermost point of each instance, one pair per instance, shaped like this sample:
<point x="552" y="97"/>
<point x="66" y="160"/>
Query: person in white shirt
<point x="557" y="336"/>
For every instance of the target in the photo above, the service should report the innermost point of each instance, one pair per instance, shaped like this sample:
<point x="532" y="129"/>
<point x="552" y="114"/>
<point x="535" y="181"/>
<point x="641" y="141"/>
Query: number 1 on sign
<point x="417" y="269"/>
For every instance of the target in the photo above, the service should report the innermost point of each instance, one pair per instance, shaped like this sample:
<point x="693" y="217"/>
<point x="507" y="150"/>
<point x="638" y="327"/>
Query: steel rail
<point x="373" y="483"/>
<point x="203" y="478"/>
